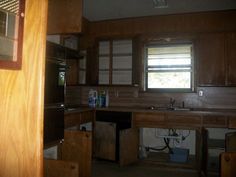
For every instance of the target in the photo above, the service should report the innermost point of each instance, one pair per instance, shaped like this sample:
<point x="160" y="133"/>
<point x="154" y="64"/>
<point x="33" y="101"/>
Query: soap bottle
<point x="92" y="97"/>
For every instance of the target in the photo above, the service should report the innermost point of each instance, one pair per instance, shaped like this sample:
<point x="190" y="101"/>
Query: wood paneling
<point x="60" y="168"/>
<point x="231" y="58"/>
<point x="210" y="59"/>
<point x="192" y="22"/>
<point x="64" y="16"/>
<point x="77" y="147"/>
<point x="21" y="101"/>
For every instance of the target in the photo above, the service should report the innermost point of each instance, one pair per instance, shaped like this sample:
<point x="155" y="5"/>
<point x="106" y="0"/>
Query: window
<point x="169" y="67"/>
<point x="115" y="62"/>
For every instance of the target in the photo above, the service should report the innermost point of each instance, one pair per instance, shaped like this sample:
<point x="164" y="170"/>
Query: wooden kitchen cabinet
<point x="64" y="16"/>
<point x="105" y="140"/>
<point x="116" y="145"/>
<point x="77" y="118"/>
<point x="230" y="47"/>
<point x="60" y="168"/>
<point x="129" y="143"/>
<point x="183" y="121"/>
<point x="77" y="147"/>
<point x="144" y="119"/>
<point x="115" y="138"/>
<point x="210" y="59"/>
<point x="71" y="72"/>
<point x="215" y="121"/>
<point x="232" y="122"/>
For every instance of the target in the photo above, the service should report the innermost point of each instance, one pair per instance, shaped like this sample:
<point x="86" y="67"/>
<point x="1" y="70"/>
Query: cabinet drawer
<point x="149" y="119"/>
<point x="232" y="122"/>
<point x="214" y="121"/>
<point x="72" y="119"/>
<point x="183" y="120"/>
<point x="87" y="117"/>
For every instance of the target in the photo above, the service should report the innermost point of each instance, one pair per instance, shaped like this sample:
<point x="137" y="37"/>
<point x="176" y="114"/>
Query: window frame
<point x="170" y="90"/>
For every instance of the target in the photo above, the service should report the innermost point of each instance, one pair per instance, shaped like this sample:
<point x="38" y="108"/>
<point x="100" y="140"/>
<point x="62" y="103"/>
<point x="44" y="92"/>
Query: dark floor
<point x="111" y="169"/>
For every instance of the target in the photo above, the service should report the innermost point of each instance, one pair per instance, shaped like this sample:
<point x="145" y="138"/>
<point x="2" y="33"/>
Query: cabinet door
<point x="210" y="60"/>
<point x="77" y="147"/>
<point x="228" y="163"/>
<point x="129" y="143"/>
<point x="231" y="58"/>
<point x="64" y="16"/>
<point x="71" y="72"/>
<point x="105" y="140"/>
<point x="60" y="168"/>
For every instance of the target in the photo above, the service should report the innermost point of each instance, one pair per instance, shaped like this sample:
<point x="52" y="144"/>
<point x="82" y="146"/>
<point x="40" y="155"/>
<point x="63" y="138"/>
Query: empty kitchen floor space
<point x="110" y="169"/>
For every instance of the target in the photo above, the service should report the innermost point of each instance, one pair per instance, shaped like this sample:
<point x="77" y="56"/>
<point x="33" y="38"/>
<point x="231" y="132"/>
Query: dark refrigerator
<point x="54" y="93"/>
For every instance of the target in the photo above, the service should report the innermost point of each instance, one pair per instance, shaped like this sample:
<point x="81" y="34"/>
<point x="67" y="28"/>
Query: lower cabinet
<point x="115" y="139"/>
<point x="77" y="147"/>
<point x="60" y="168"/>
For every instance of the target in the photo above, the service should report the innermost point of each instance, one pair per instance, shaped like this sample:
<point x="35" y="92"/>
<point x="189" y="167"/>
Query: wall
<point x="213" y="97"/>
<point x="163" y="24"/>
<point x="21" y="101"/>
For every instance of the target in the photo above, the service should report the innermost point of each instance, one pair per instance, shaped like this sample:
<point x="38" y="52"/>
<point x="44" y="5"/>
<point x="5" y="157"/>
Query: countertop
<point x="200" y="111"/>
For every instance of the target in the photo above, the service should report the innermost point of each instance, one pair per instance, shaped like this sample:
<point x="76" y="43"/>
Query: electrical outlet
<point x="200" y="93"/>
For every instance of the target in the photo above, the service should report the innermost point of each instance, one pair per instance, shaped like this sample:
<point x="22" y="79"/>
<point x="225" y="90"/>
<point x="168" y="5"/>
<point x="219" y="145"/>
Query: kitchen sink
<point x="169" y="108"/>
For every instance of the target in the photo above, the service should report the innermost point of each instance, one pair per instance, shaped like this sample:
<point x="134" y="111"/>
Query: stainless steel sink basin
<point x="169" y="109"/>
<point x="182" y="109"/>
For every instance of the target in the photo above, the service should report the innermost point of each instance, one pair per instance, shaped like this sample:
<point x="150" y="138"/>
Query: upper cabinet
<point x="216" y="59"/>
<point x="115" y="62"/>
<point x="64" y="16"/>
<point x="210" y="59"/>
<point x="231" y="58"/>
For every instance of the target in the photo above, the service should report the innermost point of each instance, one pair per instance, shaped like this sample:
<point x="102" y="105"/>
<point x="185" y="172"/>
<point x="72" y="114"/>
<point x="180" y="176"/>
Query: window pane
<point x="122" y="77"/>
<point x="169" y="80"/>
<point x="103" y="62"/>
<point x="122" y="46"/>
<point x="161" y="62"/>
<point x="103" y="77"/>
<point x="82" y="77"/>
<point x="104" y="47"/>
<point x="176" y="55"/>
<point x="122" y="62"/>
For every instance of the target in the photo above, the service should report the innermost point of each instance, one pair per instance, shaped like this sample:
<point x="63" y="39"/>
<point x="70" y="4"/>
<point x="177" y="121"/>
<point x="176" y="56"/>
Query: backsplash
<point x="213" y="97"/>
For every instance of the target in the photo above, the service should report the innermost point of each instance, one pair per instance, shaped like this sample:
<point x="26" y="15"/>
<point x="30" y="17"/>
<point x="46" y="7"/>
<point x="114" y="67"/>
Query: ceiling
<point x="96" y="10"/>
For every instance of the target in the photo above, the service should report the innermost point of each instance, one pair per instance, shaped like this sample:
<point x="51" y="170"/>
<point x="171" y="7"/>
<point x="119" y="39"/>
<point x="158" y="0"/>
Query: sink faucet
<point x="172" y="102"/>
